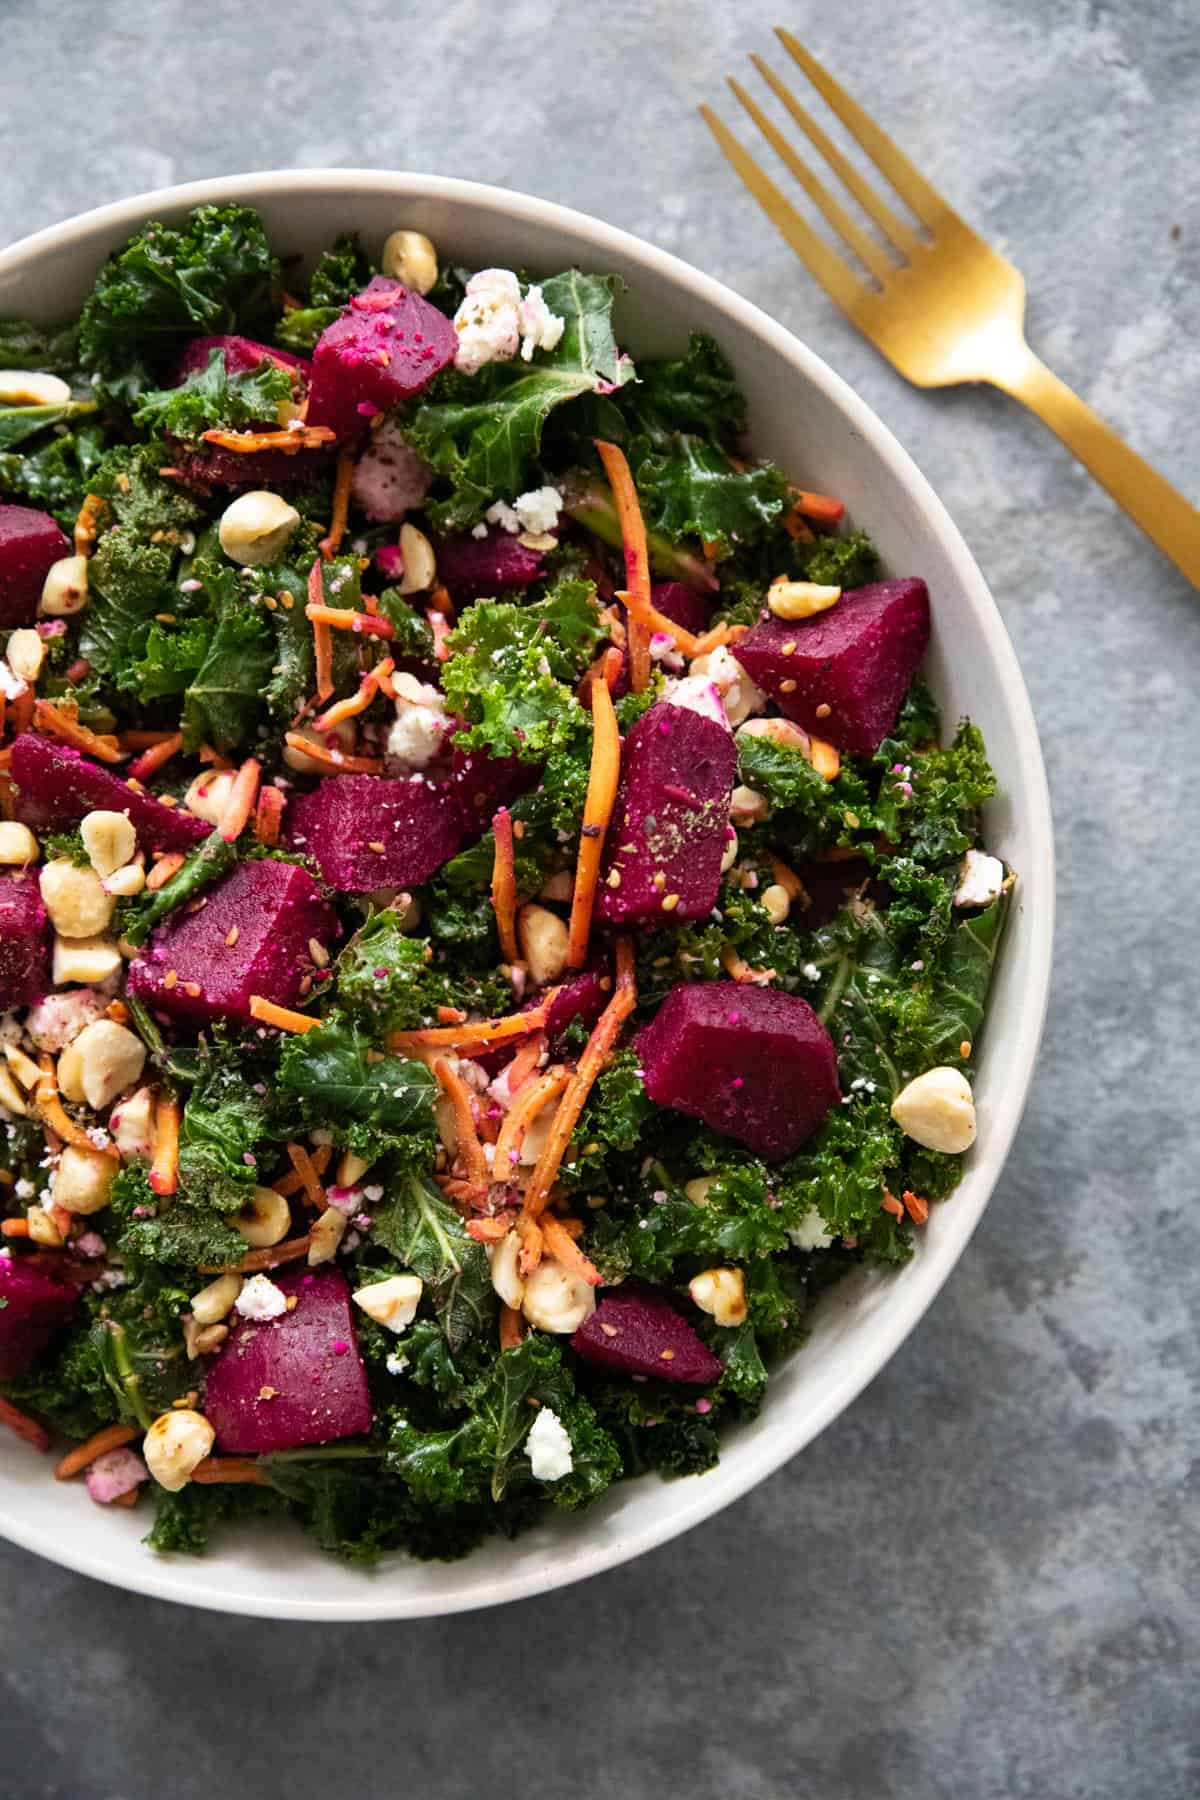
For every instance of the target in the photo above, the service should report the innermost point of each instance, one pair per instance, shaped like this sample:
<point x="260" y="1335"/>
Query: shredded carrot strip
<point x="338" y="762"/>
<point x="207" y="754"/>
<point x="822" y="507"/>
<point x="687" y="642"/>
<point x="467" y="1195"/>
<point x="164" y="1170"/>
<point x="322" y="642"/>
<point x="533" y="1243"/>
<point x="738" y="969"/>
<point x="48" y="1104"/>
<point x="112" y="1437"/>
<point x="368" y="687"/>
<point x="48" y="718"/>
<point x="796" y="528"/>
<point x="824" y="758"/>
<point x="488" y="1231"/>
<point x="155" y="756"/>
<point x="512" y="1327"/>
<point x="712" y="640"/>
<point x="163" y="869"/>
<point x="127" y="1500"/>
<point x="236" y="813"/>
<point x="525" y="1062"/>
<point x="331" y="543"/>
<point x="469" y="1147"/>
<point x="24" y="1426"/>
<point x="562" y="1247"/>
<point x="311" y="437"/>
<point x="270" y="1258"/>
<point x="227" y="1470"/>
<point x="144" y="740"/>
<point x="789" y="881"/>
<point x="520" y="1116"/>
<point x="344" y="618"/>
<point x="637" y="562"/>
<point x="596" y="1054"/>
<point x="87" y="523"/>
<point x="310" y="1181"/>
<point x="890" y="1204"/>
<point x="450" y="1015"/>
<point x="603" y="776"/>
<point x="504" y="885"/>
<point x="474" y="1033"/>
<point x="917" y="1209"/>
<point x="268" y="816"/>
<point x="291" y="1183"/>
<point x="14" y="1228"/>
<point x="282" y="1017"/>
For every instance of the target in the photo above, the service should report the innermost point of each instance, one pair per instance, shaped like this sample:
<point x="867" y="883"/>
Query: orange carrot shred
<point x="112" y="1437"/>
<point x="163" y="869"/>
<point x="338" y="762"/>
<point x="916" y="1207"/>
<point x="821" y="507"/>
<point x="824" y="758"/>
<point x="474" y="1033"/>
<point x="890" y="1204"/>
<point x="563" y="1248"/>
<point x="164" y="1170"/>
<point x="126" y="1501"/>
<point x="227" y="1470"/>
<point x="282" y="1017"/>
<point x="796" y="528"/>
<point x="512" y="1327"/>
<point x="637" y="562"/>
<point x="50" y="1107"/>
<point x="532" y="1100"/>
<point x="310" y="1181"/>
<point x="153" y="758"/>
<point x="603" y="776"/>
<point x="14" y="1228"/>
<point x="331" y="543"/>
<point x="246" y="443"/>
<point x="525" y="1062"/>
<point x="322" y="642"/>
<point x="268" y="816"/>
<point x="344" y="618"/>
<point x="450" y="1015"/>
<point x="488" y="1231"/>
<point x="235" y="815"/>
<point x="504" y="885"/>
<point x="49" y="718"/>
<point x="358" y="702"/>
<point x="24" y="1426"/>
<point x="469" y="1147"/>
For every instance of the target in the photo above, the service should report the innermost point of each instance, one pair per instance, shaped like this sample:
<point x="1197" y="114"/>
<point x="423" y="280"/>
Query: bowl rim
<point x="736" y="1474"/>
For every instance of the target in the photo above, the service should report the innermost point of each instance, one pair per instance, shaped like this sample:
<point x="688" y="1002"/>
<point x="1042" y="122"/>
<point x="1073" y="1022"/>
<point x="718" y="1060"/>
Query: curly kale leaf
<point x="57" y="474"/>
<point x="426" y="1235"/>
<point x="610" y="1126"/>
<point x="130" y="581"/>
<point x="213" y="273"/>
<point x="193" y="1226"/>
<point x="390" y="981"/>
<point x="212" y="397"/>
<point x="24" y="345"/>
<point x="846" y="561"/>
<point x="373" y="1106"/>
<point x="341" y="272"/>
<point x="500" y="677"/>
<point x="694" y="491"/>
<point x="223" y="698"/>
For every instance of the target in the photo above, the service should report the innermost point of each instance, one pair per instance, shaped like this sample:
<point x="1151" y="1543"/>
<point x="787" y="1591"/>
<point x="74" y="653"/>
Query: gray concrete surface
<point x="982" y="1582"/>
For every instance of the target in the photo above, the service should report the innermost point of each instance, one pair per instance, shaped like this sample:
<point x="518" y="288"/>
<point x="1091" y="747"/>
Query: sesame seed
<point x="666" y="1355"/>
<point x="378" y="845"/>
<point x="609" y="1330"/>
<point x="232" y="935"/>
<point x="614" y="878"/>
<point x="824" y="710"/>
<point x="192" y="988"/>
<point x="170" y="978"/>
<point x="670" y="902"/>
<point x="788" y="649"/>
<point x="659" y="879"/>
<point x="964" y="1049"/>
<point x="787" y="687"/>
<point x="318" y="952"/>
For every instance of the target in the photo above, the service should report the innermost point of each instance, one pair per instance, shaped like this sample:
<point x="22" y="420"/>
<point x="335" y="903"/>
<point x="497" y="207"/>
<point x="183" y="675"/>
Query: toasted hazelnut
<point x="408" y="256"/>
<point x="937" y="1109"/>
<point x="255" y="528"/>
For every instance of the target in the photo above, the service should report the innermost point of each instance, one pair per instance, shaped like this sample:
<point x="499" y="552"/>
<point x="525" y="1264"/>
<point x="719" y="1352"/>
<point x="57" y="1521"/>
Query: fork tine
<point x="868" y="253"/>
<point x="900" y="234"/>
<point x="924" y="200"/>
<point x="821" y="262"/>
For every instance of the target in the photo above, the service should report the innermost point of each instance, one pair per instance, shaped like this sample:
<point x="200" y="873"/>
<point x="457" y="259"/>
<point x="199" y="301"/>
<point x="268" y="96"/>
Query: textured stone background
<point x="982" y="1582"/>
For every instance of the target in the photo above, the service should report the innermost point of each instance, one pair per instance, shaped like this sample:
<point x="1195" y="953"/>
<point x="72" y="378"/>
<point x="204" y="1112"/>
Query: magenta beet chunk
<point x="24" y="942"/>
<point x="482" y="784"/>
<point x="365" y="832"/>
<point x="472" y="567"/>
<point x="387" y="345"/>
<point x="298" y="1379"/>
<point x="583" y="997"/>
<point x="33" y="1307"/>
<point x="29" y="542"/>
<point x="756" y="1065"/>
<point x="683" y="605"/>
<point x="857" y="660"/>
<point x="671" y="818"/>
<point x="241" y="354"/>
<point x="210" y="466"/>
<point x="277" y="909"/>
<point x="57" y="786"/>
<point x="635" y="1330"/>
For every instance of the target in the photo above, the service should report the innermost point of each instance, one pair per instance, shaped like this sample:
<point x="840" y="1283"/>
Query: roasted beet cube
<point x="24" y="942"/>
<point x="474" y="567"/>
<point x="211" y="466"/>
<point x="387" y="345"/>
<point x="848" y="669"/>
<point x="670" y="825"/>
<point x="683" y="605"/>
<point x="192" y="970"/>
<point x="33" y="1307"/>
<point x="57" y="786"/>
<point x="365" y="832"/>
<point x="241" y="355"/>
<point x="298" y="1379"/>
<point x="583" y="997"/>
<point x="29" y="542"/>
<point x="636" y="1330"/>
<point x="755" y="1064"/>
<point x="482" y="784"/>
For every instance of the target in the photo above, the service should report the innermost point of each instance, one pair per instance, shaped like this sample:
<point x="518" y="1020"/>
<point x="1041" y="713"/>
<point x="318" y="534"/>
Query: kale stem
<point x="326" y="1453"/>
<point x="837" y="988"/>
<point x="128" y="1385"/>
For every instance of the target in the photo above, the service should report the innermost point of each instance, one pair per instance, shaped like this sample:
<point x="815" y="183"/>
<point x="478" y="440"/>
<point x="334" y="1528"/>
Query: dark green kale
<point x="390" y="981"/>
<point x="500" y="678"/>
<point x="202" y="866"/>
<point x="341" y="272"/>
<point x="373" y="1106"/>
<point x="214" y="273"/>
<point x="20" y="423"/>
<point x="56" y="474"/>
<point x="425" y="1234"/>
<point x="24" y="345"/>
<point x="212" y="397"/>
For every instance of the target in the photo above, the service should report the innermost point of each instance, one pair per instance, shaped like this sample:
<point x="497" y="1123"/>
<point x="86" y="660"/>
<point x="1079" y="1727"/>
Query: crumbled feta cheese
<point x="810" y="1233"/>
<point x="394" y="1363"/>
<point x="538" y="511"/>
<point x="548" y="1447"/>
<point x="420" y="728"/>
<point x="980" y="879"/>
<point x="11" y="684"/>
<point x="58" y="1019"/>
<point x="488" y="322"/>
<point x="540" y="328"/>
<point x="695" y="693"/>
<point x="500" y="513"/>
<point x="479" y="531"/>
<point x="741" y="695"/>
<point x="260" y="1299"/>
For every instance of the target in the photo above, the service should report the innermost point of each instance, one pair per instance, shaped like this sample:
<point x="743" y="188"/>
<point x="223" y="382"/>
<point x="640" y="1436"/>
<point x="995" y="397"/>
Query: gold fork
<point x="951" y="309"/>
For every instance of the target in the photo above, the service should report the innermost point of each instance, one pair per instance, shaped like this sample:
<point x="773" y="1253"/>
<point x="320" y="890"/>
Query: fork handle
<point x="1151" y="502"/>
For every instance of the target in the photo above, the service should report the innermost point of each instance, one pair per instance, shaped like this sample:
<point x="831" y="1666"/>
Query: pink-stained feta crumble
<point x="115" y="1473"/>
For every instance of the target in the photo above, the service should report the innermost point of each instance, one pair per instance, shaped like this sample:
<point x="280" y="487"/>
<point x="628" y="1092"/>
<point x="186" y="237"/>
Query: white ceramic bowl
<point x="805" y="417"/>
